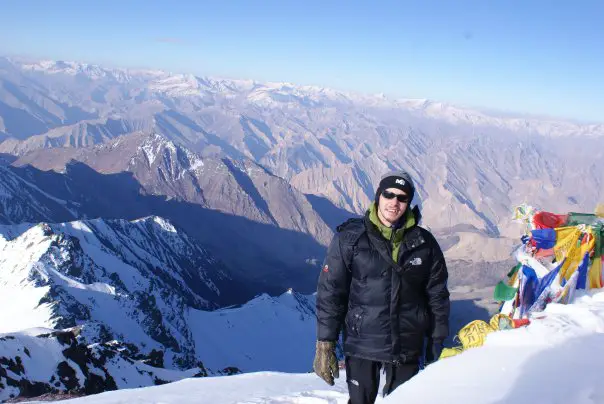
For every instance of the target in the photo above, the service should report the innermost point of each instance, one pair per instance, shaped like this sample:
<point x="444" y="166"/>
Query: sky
<point x="539" y="57"/>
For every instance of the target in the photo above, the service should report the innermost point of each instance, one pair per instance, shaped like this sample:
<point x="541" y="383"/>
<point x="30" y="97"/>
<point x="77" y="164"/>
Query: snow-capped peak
<point x="91" y="71"/>
<point x="180" y="160"/>
<point x="160" y="221"/>
<point x="177" y="85"/>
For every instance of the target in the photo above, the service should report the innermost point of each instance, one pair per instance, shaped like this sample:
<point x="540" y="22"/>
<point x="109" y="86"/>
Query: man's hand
<point x="325" y="364"/>
<point x="433" y="350"/>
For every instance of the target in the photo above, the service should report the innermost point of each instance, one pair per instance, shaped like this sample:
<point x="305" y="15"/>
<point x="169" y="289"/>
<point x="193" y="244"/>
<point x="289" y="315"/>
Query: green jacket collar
<point x="409" y="221"/>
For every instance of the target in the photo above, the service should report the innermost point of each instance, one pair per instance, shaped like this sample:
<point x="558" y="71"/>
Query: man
<point x="384" y="284"/>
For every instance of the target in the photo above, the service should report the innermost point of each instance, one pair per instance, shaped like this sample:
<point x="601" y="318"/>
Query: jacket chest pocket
<point x="417" y="268"/>
<point x="368" y="263"/>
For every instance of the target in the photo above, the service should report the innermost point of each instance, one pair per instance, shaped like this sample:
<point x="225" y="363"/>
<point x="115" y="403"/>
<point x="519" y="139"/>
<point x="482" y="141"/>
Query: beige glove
<point x="325" y="364"/>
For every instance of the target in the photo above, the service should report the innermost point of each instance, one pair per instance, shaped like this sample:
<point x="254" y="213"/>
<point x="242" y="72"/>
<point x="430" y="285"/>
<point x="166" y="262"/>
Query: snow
<point x="19" y="298"/>
<point x="43" y="358"/>
<point x="97" y="251"/>
<point x="194" y="160"/>
<point x="29" y="270"/>
<point x="160" y="221"/>
<point x="264" y="334"/>
<point x="156" y="145"/>
<point x="150" y="148"/>
<point x="556" y="359"/>
<point x="18" y="182"/>
<point x="262" y="387"/>
<point x="41" y="355"/>
<point x="24" y="310"/>
<point x="177" y="85"/>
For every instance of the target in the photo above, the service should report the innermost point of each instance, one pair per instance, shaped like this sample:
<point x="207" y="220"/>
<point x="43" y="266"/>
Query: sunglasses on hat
<point x="402" y="198"/>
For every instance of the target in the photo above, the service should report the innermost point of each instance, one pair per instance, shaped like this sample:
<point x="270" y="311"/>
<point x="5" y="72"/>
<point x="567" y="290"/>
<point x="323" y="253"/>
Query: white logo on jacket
<point x="416" y="261"/>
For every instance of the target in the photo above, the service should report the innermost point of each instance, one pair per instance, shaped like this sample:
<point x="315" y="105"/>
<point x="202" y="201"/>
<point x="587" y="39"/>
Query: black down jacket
<point x="385" y="309"/>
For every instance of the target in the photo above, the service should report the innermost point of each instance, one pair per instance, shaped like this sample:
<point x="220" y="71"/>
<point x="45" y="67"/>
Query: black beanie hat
<point x="396" y="179"/>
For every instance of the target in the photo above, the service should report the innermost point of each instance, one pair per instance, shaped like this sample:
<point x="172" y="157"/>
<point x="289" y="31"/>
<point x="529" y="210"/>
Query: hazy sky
<point x="541" y="57"/>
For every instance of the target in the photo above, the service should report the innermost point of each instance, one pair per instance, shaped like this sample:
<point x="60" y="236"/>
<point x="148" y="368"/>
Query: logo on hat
<point x="400" y="181"/>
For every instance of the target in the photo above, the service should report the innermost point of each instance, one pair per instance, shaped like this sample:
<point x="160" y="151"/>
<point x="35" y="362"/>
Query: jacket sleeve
<point x="438" y="295"/>
<point x="332" y="293"/>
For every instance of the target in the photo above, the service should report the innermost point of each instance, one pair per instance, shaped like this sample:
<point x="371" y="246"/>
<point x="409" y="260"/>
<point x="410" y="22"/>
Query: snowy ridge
<point x="553" y="360"/>
<point x="178" y="85"/>
<point x="72" y="273"/>
<point x="204" y="187"/>
<point x="34" y="363"/>
<point x="9" y="232"/>
<point x="542" y="126"/>
<point x="91" y="71"/>
<point x="272" y="94"/>
<point x="129" y="301"/>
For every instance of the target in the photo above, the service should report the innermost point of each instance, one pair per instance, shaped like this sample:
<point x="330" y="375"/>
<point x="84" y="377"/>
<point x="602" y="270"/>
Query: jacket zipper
<point x="391" y="243"/>
<point x="396" y="362"/>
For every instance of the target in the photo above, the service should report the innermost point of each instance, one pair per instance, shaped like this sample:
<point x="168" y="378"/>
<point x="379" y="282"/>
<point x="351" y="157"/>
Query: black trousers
<point x="363" y="378"/>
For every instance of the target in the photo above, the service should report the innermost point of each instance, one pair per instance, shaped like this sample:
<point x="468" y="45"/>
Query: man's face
<point x="390" y="209"/>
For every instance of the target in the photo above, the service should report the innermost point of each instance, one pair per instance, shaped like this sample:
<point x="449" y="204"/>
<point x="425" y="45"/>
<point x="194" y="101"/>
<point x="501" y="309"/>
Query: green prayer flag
<point x="504" y="292"/>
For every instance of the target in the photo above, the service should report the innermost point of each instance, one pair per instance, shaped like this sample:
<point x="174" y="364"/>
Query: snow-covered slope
<point x="133" y="294"/>
<point x="37" y="361"/>
<point x="267" y="333"/>
<point x="135" y="280"/>
<point x="554" y="360"/>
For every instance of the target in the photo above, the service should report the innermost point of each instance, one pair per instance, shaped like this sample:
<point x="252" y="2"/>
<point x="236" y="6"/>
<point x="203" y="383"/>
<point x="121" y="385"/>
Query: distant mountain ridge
<point x="471" y="167"/>
<point x="188" y="85"/>
<point x="229" y="205"/>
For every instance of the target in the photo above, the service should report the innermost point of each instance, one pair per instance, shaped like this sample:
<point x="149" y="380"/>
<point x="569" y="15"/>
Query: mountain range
<point x="254" y="221"/>
<point x="471" y="167"/>
<point x="156" y="226"/>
